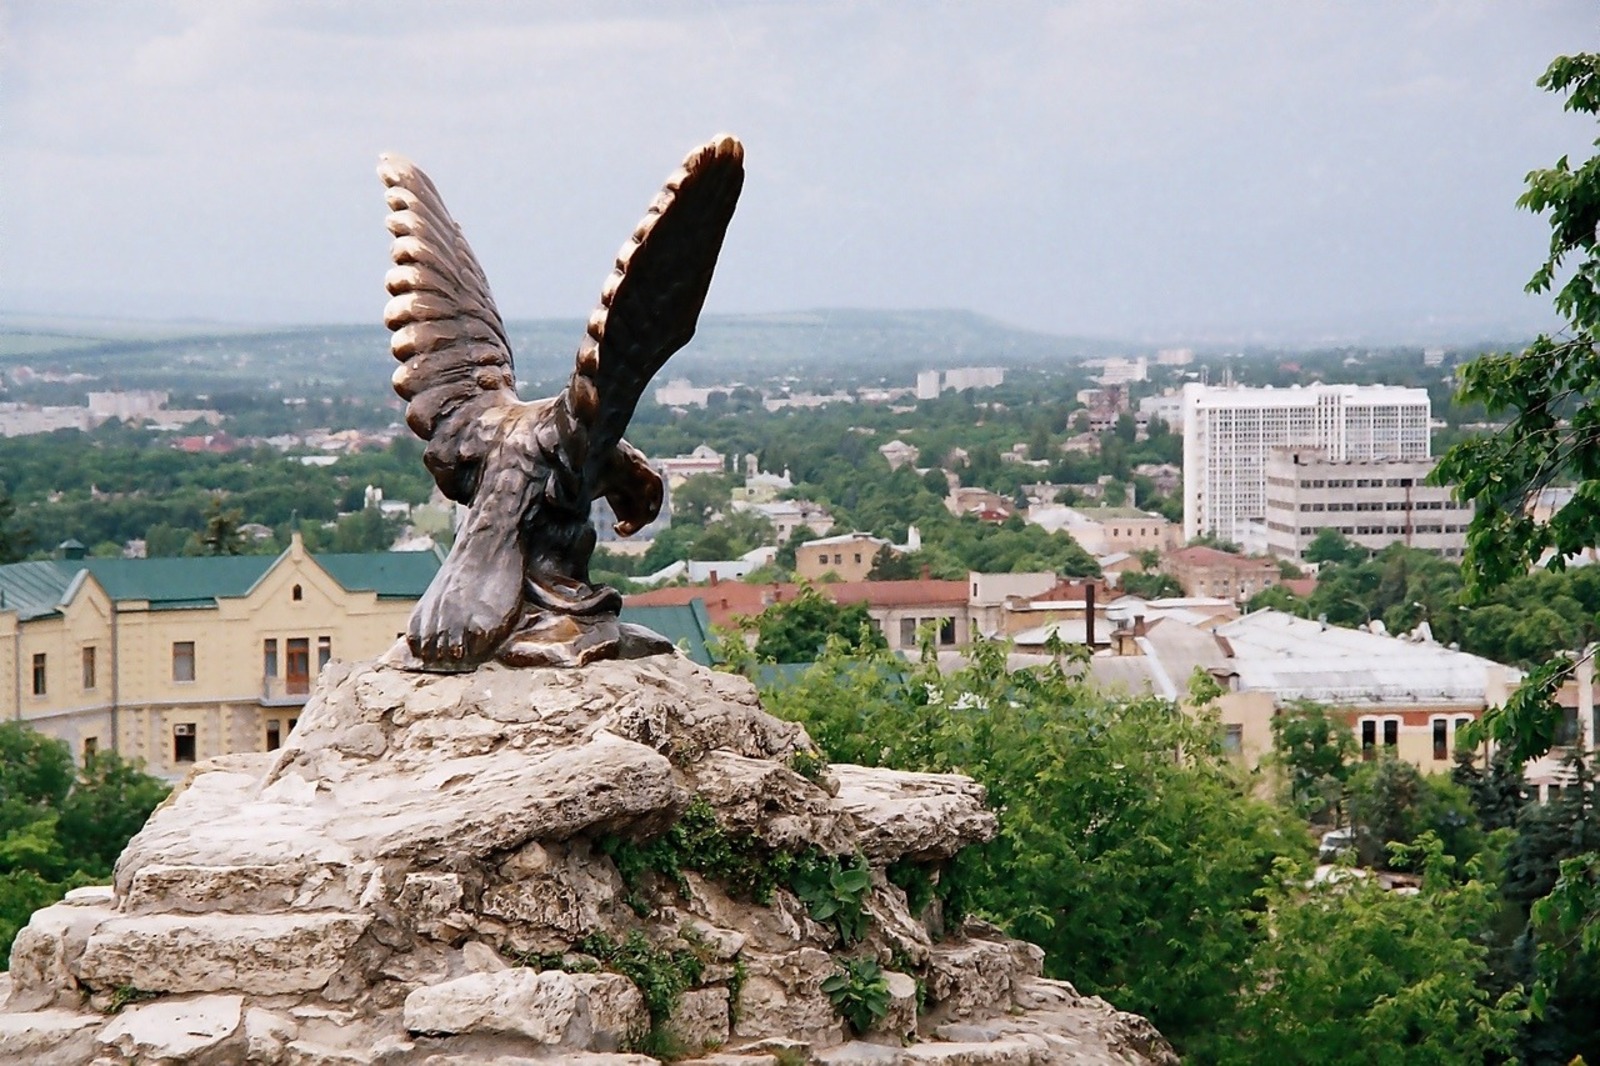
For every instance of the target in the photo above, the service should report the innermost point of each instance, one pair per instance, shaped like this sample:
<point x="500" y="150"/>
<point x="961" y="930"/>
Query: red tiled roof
<point x="1201" y="555"/>
<point x="728" y="599"/>
<point x="1072" y="589"/>
<point x="1300" y="586"/>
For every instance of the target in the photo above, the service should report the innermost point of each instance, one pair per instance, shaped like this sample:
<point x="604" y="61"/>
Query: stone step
<point x="262" y="954"/>
<point x="248" y="889"/>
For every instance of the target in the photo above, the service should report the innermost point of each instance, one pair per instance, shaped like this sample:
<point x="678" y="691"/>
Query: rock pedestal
<point x="478" y="868"/>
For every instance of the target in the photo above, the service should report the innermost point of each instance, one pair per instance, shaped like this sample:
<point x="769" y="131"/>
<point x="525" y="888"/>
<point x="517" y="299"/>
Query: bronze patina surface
<point x="516" y="585"/>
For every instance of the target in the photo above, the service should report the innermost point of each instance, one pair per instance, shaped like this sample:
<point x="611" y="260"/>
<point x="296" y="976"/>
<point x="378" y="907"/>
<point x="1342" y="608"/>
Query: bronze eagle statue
<point x="516" y="586"/>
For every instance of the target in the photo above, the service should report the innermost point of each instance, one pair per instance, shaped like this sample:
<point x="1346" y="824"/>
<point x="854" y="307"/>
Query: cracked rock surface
<point x="433" y="870"/>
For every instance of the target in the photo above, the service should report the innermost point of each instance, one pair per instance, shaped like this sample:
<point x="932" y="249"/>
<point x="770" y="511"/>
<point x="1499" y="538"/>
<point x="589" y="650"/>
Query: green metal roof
<point x="392" y="575"/>
<point x="33" y="590"/>
<point x="38" y="589"/>
<point x="191" y="581"/>
<point x="687" y="626"/>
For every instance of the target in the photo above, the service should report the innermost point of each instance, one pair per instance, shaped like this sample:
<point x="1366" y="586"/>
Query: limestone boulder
<point x="916" y="816"/>
<point x="265" y="954"/>
<point x="597" y="1012"/>
<point x="455" y="869"/>
<point x="194" y="1030"/>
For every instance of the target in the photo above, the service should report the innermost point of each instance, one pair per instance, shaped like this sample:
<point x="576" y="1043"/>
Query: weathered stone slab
<point x="492" y="803"/>
<point x="45" y="951"/>
<point x="48" y="1037"/>
<point x="254" y="888"/>
<point x="268" y="954"/>
<point x="701" y="1020"/>
<point x="579" y="1011"/>
<point x="177" y="1030"/>
<point x="920" y="816"/>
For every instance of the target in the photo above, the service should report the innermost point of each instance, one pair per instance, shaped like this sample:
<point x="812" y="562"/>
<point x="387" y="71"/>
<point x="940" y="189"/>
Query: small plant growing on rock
<point x="859" y="992"/>
<point x="837" y="894"/>
<point x="126" y="994"/>
<point x="809" y="764"/>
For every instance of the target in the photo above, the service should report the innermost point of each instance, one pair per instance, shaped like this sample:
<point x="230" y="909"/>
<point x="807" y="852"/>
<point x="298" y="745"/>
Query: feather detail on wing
<point x="651" y="302"/>
<point x="448" y="336"/>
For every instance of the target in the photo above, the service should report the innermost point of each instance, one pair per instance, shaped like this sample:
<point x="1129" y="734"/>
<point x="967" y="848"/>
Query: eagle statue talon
<point x="516" y="585"/>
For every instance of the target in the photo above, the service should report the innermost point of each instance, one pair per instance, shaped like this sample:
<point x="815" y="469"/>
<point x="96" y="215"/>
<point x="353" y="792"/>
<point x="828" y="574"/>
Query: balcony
<point x="285" y="691"/>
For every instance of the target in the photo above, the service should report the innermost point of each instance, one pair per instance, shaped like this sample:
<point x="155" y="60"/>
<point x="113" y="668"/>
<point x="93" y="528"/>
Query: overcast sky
<point x="1126" y="168"/>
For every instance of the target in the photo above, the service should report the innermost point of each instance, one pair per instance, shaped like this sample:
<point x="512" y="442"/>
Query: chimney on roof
<point x="713" y="578"/>
<point x="1088" y="615"/>
<point x="1138" y="625"/>
<point x="71" y="549"/>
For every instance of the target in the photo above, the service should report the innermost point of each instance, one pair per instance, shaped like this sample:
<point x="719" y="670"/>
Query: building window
<point x="908" y="632"/>
<point x="90" y="746"/>
<point x="1233" y="738"/>
<point x="1369" y="738"/>
<point x="274" y="734"/>
<point x="324" y="652"/>
<point x="88" y="668"/>
<point x="1391" y="733"/>
<point x="947" y="631"/>
<point x="296" y="595"/>
<point x="1441" y="739"/>
<point x="183" y="742"/>
<point x="183" y="660"/>
<point x="38" y="673"/>
<point x="858" y="557"/>
<point x="269" y="657"/>
<point x="297" y="666"/>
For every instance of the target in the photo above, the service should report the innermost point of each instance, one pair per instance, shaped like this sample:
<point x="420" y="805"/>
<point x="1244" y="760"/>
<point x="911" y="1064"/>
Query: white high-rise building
<point x="1229" y="433"/>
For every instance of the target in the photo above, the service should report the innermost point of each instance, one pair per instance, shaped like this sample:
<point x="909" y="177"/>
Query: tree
<point x="700" y="497"/>
<point x="1332" y="546"/>
<point x="1136" y="871"/>
<point x="1315" y="749"/>
<point x="890" y="565"/>
<point x="1150" y="586"/>
<point x="1551" y="393"/>
<point x="1356" y="974"/>
<point x="221" y="536"/>
<point x="15" y="541"/>
<point x="61" y="827"/>
<point x="797" y="630"/>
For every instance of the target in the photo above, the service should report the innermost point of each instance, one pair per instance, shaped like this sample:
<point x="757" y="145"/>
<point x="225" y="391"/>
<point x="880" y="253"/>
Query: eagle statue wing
<point x="651" y="302"/>
<point x="455" y="361"/>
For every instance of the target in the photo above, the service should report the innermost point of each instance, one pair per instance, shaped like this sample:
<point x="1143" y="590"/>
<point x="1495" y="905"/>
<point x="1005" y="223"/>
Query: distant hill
<point x="846" y="345"/>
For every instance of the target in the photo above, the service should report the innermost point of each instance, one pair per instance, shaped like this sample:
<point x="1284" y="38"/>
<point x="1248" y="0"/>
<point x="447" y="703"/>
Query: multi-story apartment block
<point x="1374" y="503"/>
<point x="1230" y="431"/>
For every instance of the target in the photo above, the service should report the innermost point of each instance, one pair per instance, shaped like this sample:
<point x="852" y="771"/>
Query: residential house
<point x="1205" y="571"/>
<point x="848" y="556"/>
<point x="172" y="660"/>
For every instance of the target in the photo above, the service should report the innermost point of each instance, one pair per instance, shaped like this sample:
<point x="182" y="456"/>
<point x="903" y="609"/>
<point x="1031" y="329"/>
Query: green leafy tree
<point x="1355" y="974"/>
<point x="890" y="565"/>
<point x="797" y="630"/>
<point x="700" y="497"/>
<point x="1315" y="748"/>
<point x="15" y="541"/>
<point x="1150" y="586"/>
<point x="221" y="535"/>
<point x="1332" y="546"/>
<point x="60" y="827"/>
<point x="1136" y="870"/>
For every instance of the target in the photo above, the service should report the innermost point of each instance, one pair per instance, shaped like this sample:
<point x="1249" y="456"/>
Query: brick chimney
<point x="1088" y="614"/>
